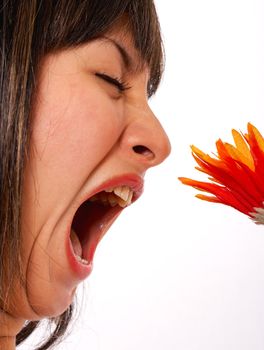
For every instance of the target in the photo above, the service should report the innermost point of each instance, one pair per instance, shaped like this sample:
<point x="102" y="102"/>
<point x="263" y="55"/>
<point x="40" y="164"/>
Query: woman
<point x="77" y="136"/>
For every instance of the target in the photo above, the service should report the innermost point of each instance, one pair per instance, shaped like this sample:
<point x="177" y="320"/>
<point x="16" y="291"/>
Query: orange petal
<point x="241" y="144"/>
<point x="204" y="157"/>
<point x="242" y="152"/>
<point x="222" y="151"/>
<point x="259" y="138"/>
<point x="207" y="198"/>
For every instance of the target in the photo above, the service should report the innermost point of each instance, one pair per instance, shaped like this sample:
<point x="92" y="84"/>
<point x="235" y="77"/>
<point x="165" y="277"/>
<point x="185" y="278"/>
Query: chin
<point x="52" y="303"/>
<point x="50" y="288"/>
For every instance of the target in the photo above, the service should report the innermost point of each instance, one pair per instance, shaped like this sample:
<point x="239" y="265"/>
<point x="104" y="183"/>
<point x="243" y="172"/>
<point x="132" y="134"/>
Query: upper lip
<point x="134" y="181"/>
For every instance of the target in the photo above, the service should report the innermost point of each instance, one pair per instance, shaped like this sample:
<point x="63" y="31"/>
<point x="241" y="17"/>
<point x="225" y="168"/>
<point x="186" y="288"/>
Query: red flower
<point x="236" y="174"/>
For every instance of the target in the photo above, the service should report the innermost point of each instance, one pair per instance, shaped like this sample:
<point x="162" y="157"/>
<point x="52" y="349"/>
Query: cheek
<point x="68" y="142"/>
<point x="79" y="133"/>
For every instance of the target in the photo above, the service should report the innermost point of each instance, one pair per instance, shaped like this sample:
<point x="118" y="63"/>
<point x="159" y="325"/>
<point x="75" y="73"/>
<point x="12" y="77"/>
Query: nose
<point x="144" y="140"/>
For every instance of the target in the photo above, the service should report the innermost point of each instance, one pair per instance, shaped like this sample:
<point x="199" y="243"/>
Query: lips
<point x="96" y="213"/>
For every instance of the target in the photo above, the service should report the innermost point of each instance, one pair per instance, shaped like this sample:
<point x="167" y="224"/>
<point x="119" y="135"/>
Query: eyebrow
<point x="128" y="61"/>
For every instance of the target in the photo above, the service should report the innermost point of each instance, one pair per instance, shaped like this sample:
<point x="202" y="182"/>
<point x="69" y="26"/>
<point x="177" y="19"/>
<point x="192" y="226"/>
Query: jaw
<point x="53" y="273"/>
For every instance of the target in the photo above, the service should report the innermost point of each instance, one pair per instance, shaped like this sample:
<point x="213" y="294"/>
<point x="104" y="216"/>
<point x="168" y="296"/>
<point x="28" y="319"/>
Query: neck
<point x="10" y="326"/>
<point x="8" y="343"/>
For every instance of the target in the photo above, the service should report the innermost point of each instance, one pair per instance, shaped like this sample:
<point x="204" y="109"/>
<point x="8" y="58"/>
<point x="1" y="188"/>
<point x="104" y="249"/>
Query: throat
<point x="10" y="326"/>
<point x="8" y="343"/>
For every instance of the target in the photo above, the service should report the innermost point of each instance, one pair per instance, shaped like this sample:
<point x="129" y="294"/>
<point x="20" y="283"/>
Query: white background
<point x="175" y="272"/>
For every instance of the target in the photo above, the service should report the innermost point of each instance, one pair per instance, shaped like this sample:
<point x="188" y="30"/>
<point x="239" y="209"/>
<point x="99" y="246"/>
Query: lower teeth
<point x="83" y="261"/>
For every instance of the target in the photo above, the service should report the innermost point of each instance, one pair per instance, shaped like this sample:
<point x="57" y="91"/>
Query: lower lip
<point x="80" y="270"/>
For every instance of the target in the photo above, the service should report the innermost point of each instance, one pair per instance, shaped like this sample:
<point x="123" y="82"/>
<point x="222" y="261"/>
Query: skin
<point x="83" y="133"/>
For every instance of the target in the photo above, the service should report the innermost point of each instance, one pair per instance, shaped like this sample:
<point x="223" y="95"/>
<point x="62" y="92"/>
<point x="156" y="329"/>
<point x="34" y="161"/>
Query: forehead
<point x="143" y="40"/>
<point x="120" y="35"/>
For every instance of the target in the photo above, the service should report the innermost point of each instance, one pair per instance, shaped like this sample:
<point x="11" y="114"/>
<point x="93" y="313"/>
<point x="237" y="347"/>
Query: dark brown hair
<point x="30" y="29"/>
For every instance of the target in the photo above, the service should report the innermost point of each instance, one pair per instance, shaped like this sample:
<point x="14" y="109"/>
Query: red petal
<point x="223" y="194"/>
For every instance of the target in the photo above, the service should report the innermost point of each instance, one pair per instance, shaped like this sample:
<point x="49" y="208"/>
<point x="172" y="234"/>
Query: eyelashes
<point x="117" y="82"/>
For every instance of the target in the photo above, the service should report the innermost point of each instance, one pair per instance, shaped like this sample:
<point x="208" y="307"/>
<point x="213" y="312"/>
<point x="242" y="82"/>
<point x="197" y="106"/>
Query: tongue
<point x="77" y="248"/>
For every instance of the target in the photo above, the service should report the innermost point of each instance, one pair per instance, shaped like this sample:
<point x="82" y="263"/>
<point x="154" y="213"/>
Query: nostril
<point x="144" y="151"/>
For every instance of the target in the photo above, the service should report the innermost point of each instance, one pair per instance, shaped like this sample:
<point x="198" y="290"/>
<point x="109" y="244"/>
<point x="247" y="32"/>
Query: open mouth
<point x="94" y="217"/>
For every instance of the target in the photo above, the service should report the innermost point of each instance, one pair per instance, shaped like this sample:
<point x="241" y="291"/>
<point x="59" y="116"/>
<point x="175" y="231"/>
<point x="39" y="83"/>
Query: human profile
<point x="77" y="136"/>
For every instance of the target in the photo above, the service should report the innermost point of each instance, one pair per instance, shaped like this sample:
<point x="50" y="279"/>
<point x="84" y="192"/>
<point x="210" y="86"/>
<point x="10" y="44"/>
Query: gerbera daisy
<point x="236" y="173"/>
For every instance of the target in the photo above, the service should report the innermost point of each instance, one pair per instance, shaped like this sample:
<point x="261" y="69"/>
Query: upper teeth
<point x="121" y="195"/>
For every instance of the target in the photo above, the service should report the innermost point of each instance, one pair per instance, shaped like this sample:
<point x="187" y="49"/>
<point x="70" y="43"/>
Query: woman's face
<point x="90" y="134"/>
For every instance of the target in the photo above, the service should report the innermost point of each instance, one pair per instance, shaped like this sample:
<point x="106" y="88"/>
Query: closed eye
<point x="118" y="83"/>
